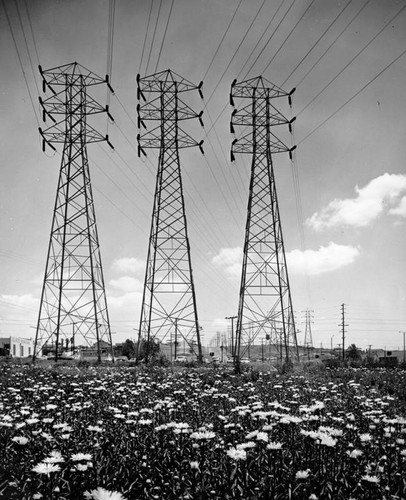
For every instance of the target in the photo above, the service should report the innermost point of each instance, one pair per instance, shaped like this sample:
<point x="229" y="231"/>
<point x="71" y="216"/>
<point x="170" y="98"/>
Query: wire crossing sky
<point x="342" y="198"/>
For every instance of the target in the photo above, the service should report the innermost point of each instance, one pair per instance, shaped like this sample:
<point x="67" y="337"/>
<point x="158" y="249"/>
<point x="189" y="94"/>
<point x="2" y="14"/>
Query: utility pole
<point x="176" y="337"/>
<point x="404" y="348"/>
<point x="232" y="335"/>
<point x="169" y="289"/>
<point x="343" y="330"/>
<point x="73" y="289"/>
<point x="265" y="297"/>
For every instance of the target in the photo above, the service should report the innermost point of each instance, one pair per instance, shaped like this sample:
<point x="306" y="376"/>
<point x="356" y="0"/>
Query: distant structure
<point x="16" y="347"/>
<point x="169" y="312"/>
<point x="73" y="304"/>
<point x="265" y="306"/>
<point x="308" y="337"/>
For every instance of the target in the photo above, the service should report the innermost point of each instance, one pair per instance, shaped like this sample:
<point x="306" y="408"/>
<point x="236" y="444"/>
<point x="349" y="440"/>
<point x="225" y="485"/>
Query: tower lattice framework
<point x="169" y="309"/>
<point x="73" y="307"/>
<point x="265" y="310"/>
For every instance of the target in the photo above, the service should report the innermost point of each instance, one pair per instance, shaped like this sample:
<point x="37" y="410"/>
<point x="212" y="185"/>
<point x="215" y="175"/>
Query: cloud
<point x="126" y="284"/>
<point x="311" y="262"/>
<point x="360" y="211"/>
<point x="128" y="302"/>
<point x="26" y="301"/>
<point x="130" y="265"/>
<point x="400" y="209"/>
<point x="230" y="260"/>
<point x="324" y="260"/>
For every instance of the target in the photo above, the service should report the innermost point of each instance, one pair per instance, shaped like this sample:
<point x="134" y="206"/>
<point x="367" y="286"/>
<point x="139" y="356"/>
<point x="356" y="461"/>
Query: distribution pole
<point x="73" y="295"/>
<point x="169" y="290"/>
<point x="232" y="335"/>
<point x="343" y="331"/>
<point x="404" y="349"/>
<point x="265" y="303"/>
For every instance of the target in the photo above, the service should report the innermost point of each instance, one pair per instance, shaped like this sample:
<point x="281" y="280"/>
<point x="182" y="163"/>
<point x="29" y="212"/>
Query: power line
<point x="26" y="45"/>
<point x="163" y="38"/>
<point x="32" y="31"/>
<point x="260" y="38"/>
<point x="289" y="35"/>
<point x="353" y="97"/>
<point x="269" y="39"/>
<point x="20" y="61"/>
<point x="222" y="39"/>
<point x="153" y="36"/>
<point x="236" y="50"/>
<point x="317" y="41"/>
<point x="146" y="35"/>
<point x="110" y="45"/>
<point x="333" y="42"/>
<point x="353" y="58"/>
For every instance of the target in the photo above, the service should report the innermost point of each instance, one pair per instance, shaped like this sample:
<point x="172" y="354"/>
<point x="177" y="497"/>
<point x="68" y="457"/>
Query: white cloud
<point x="230" y="260"/>
<point x="130" y="265"/>
<point x="400" y="209"/>
<point x="312" y="262"/>
<point x="324" y="260"/>
<point x="370" y="202"/>
<point x="128" y="302"/>
<point x="26" y="301"/>
<point x="126" y="284"/>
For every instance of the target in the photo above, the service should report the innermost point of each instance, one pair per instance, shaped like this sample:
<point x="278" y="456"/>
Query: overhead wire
<point x="333" y="42"/>
<point x="353" y="58"/>
<point x="269" y="39"/>
<point x="247" y="60"/>
<point x="153" y="37"/>
<point x="236" y="51"/>
<point x="260" y="38"/>
<point x="352" y="97"/>
<point x="27" y="10"/>
<point x="222" y="39"/>
<point x="110" y="48"/>
<point x="145" y="36"/>
<point x="20" y="61"/>
<point x="164" y="36"/>
<point x="289" y="35"/>
<point x="317" y="41"/>
<point x="34" y="74"/>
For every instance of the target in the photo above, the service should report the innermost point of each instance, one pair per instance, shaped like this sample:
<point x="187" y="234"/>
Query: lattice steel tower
<point x="265" y="306"/>
<point x="308" y="337"/>
<point x="169" y="302"/>
<point x="73" y="306"/>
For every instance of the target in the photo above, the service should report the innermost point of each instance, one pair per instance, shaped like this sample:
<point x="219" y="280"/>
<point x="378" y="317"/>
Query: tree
<point x="128" y="349"/>
<point x="148" y="349"/>
<point x="353" y="352"/>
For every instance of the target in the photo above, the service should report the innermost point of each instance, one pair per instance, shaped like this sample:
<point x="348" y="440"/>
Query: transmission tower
<point x="265" y="306"/>
<point x="308" y="338"/>
<point x="73" y="306"/>
<point x="169" y="301"/>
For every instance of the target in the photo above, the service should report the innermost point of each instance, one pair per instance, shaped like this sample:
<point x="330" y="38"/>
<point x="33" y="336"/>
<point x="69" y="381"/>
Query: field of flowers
<point x="131" y="433"/>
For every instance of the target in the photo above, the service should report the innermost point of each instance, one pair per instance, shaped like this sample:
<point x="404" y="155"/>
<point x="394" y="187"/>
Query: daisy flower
<point x="20" y="440"/>
<point x="77" y="457"/>
<point x="46" y="468"/>
<point x="103" y="494"/>
<point x="237" y="454"/>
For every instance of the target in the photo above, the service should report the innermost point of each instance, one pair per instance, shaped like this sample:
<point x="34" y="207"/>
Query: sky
<point x="342" y="199"/>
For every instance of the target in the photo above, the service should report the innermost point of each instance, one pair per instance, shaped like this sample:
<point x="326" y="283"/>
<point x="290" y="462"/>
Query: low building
<point x="17" y="347"/>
